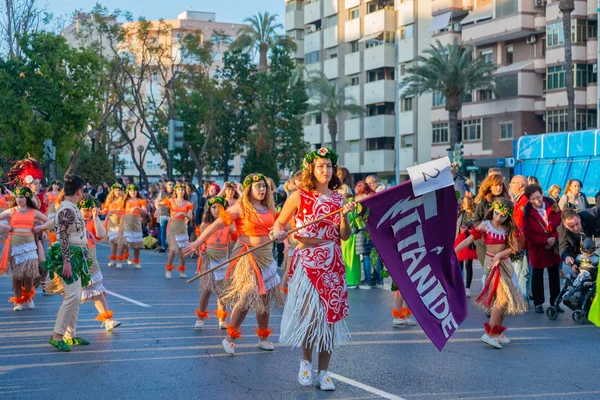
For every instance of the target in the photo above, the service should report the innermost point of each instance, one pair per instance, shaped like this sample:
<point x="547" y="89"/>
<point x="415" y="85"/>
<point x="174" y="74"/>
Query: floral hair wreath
<point x="230" y="185"/>
<point x="23" y="191"/>
<point x="133" y="187"/>
<point x="179" y="186"/>
<point x="253" y="179"/>
<point x="502" y="208"/>
<point x="323" y="152"/>
<point x="218" y="200"/>
<point x="116" y="186"/>
<point x="57" y="183"/>
<point x="87" y="204"/>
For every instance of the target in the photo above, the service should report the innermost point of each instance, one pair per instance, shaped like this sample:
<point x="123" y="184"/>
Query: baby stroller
<point x="579" y="289"/>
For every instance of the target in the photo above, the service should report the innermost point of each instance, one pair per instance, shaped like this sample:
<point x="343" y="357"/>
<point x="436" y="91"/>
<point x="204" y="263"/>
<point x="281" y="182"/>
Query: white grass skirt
<point x="304" y="321"/>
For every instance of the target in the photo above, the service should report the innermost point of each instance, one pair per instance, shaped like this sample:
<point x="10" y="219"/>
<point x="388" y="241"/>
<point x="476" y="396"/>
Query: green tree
<point x="328" y="98"/>
<point x="452" y="71"/>
<point x="96" y="167"/>
<point x="567" y="7"/>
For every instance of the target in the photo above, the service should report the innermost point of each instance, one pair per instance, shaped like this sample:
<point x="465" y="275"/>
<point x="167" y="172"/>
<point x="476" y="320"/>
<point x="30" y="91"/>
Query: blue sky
<point x="226" y="10"/>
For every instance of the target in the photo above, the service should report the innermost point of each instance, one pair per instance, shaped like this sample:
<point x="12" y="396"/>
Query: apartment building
<point x="361" y="45"/>
<point x="525" y="40"/>
<point x="188" y="22"/>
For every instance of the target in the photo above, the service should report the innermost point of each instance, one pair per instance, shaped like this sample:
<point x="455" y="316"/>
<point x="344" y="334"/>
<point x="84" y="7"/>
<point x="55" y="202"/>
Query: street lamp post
<point x="140" y="150"/>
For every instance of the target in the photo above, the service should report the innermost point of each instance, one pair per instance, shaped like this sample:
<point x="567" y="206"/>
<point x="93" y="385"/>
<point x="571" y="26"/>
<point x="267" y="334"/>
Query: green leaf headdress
<point x="323" y="152"/>
<point x="218" y="200"/>
<point x="253" y="178"/>
<point x="87" y="204"/>
<point x="23" y="191"/>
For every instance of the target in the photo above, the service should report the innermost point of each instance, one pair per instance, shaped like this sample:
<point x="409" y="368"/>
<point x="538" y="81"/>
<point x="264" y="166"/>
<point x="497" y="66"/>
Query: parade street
<point x="157" y="354"/>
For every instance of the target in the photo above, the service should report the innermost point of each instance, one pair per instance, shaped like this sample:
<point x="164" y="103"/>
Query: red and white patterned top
<point x="314" y="205"/>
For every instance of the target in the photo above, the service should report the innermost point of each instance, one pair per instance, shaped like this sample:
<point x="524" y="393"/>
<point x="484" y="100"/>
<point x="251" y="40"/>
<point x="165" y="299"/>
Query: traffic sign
<point x="501" y="162"/>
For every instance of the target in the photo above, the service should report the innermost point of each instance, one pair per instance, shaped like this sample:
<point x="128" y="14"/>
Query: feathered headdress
<point x="24" y="172"/>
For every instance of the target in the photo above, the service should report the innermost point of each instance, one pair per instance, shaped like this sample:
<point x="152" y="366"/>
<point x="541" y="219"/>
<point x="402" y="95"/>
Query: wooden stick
<point x="263" y="245"/>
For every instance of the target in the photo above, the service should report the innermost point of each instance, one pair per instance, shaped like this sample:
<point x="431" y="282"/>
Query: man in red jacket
<point x="517" y="187"/>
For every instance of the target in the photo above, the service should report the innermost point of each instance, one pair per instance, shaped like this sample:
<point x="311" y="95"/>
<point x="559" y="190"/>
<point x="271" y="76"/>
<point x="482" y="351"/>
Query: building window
<point x="406" y="141"/>
<point x="471" y="130"/>
<point x="509" y="54"/>
<point x="332" y="21"/>
<point x="483" y="95"/>
<point x="506" y="130"/>
<point x="406" y="31"/>
<point x="506" y="7"/>
<point x="353" y="46"/>
<point x="555" y="34"/>
<point x="298" y="34"/>
<point x="556" y="121"/>
<point x="555" y="77"/>
<point x="293" y="6"/>
<point x="592" y="29"/>
<point x="385" y="37"/>
<point x="439" y="99"/>
<point x="354" y="80"/>
<point x="332" y="52"/>
<point x="380" y="74"/>
<point x="354" y="146"/>
<point x="440" y="133"/>
<point x="312" y="57"/>
<point x="507" y="86"/>
<point x="487" y="56"/>
<point x="377" y="5"/>
<point x="353" y="13"/>
<point x="312" y="119"/>
<point x="384" y="143"/>
<point x="406" y="104"/>
<point x="387" y="108"/>
<point x="592" y="75"/>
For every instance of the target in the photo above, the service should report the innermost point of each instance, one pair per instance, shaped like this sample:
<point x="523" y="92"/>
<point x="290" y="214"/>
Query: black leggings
<point x="469" y="271"/>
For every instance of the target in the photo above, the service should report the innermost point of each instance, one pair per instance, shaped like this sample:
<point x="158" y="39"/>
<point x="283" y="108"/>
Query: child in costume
<point x="253" y="280"/>
<point x="114" y="214"/>
<point x="468" y="254"/>
<point x="499" y="296"/>
<point x="95" y="290"/>
<point x="215" y="252"/>
<point x="21" y="253"/>
<point x="130" y="231"/>
<point x="182" y="211"/>
<point x="317" y="303"/>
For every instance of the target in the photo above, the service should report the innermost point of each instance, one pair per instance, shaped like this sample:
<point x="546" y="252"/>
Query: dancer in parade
<point x="216" y="251"/>
<point x="402" y="313"/>
<point x="5" y="198"/>
<point x="114" y="214"/>
<point x="230" y="192"/>
<point x="317" y="302"/>
<point x="253" y="283"/>
<point x="182" y="211"/>
<point x="130" y="231"/>
<point x="95" y="291"/>
<point x="499" y="296"/>
<point x="51" y="198"/>
<point x="21" y="256"/>
<point x="68" y="260"/>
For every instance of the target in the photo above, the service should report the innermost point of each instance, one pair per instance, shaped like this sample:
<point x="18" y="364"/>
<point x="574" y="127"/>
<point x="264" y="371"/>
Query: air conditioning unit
<point x="539" y="3"/>
<point x="311" y="28"/>
<point x="531" y="39"/>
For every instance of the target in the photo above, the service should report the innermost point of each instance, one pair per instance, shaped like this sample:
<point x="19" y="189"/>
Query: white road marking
<point x="366" y="388"/>
<point x="137" y="303"/>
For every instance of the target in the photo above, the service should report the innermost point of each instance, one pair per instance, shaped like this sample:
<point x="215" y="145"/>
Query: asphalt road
<point x="157" y="354"/>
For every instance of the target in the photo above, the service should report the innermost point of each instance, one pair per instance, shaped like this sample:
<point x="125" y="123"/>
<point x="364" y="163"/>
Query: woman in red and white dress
<point x="317" y="303"/>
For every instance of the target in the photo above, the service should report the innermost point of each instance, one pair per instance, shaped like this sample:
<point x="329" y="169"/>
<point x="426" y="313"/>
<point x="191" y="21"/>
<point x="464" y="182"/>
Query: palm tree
<point x="567" y="7"/>
<point x="260" y="33"/>
<point x="452" y="71"/>
<point x="328" y="98"/>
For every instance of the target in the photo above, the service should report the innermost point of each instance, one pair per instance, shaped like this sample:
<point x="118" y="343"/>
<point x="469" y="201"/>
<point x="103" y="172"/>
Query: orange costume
<point x="52" y="206"/>
<point x="130" y="231"/>
<point x="113" y="222"/>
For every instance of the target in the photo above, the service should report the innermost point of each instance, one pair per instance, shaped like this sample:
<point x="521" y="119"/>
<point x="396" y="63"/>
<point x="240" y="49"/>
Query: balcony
<point x="352" y="92"/>
<point x="312" y="11"/>
<point x="352" y="129"/>
<point x="352" y="30"/>
<point x="558" y="99"/>
<point x="378" y="21"/>
<point x="448" y="38"/>
<point x="485" y="108"/>
<point x="406" y="14"/>
<point x="406" y="158"/>
<point x="352" y="162"/>
<point x="540" y="23"/>
<point x="380" y="56"/>
<point x="592" y="49"/>
<point x="507" y="28"/>
<point x="406" y="50"/>
<point x="539" y="106"/>
<point x="351" y="4"/>
<point x="312" y="133"/>
<point x="379" y="161"/>
<point x="592" y="8"/>
<point x="380" y="126"/>
<point x="592" y="95"/>
<point x="406" y="122"/>
<point x="352" y="63"/>
<point x="330" y="37"/>
<point x="330" y="68"/>
<point x="539" y="65"/>
<point x="312" y="42"/>
<point x="330" y="7"/>
<point x="440" y="6"/>
<point x="294" y="20"/>
<point x="379" y="91"/>
<point x="556" y="55"/>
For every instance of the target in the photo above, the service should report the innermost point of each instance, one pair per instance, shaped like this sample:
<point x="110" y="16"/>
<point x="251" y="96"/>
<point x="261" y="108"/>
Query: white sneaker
<point x="199" y="324"/>
<point x="364" y="287"/>
<point x="325" y="382"/>
<point x="111" y="324"/>
<point x="18" y="307"/>
<point x="305" y="373"/>
<point x="492" y="341"/>
<point x="228" y="347"/>
<point x="129" y="262"/>
<point x="111" y="264"/>
<point x="265" y="345"/>
<point x="182" y="275"/>
<point x="137" y="266"/>
<point x="398" y="321"/>
<point x="222" y="324"/>
<point x="168" y="274"/>
<point x="30" y="305"/>
<point x="468" y="292"/>
<point x="502" y="339"/>
<point x="410" y="321"/>
<point x="119" y="265"/>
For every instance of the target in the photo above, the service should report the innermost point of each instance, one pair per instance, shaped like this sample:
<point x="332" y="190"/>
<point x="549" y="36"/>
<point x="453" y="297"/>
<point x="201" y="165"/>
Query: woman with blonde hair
<point x="573" y="197"/>
<point x="554" y="193"/>
<point x="177" y="231"/>
<point x="130" y="231"/>
<point x="253" y="282"/>
<point x="113" y="210"/>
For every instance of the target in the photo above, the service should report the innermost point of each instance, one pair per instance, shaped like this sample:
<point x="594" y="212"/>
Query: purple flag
<point x="414" y="236"/>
